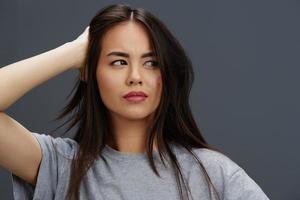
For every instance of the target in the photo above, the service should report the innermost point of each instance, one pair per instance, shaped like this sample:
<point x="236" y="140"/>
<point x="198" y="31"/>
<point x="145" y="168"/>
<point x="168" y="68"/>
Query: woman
<point x="136" y="136"/>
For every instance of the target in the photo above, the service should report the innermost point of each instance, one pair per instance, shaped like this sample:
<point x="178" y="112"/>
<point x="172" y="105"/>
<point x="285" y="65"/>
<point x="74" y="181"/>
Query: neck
<point x="128" y="135"/>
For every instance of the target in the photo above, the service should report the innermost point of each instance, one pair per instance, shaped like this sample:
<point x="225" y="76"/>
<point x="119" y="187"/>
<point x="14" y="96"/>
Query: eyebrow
<point x="123" y="54"/>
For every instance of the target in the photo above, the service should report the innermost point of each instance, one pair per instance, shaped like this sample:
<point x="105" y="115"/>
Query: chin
<point x="133" y="114"/>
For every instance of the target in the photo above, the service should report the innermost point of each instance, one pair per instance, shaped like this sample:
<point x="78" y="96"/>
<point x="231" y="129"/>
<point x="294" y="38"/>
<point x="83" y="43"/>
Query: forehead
<point x="131" y="37"/>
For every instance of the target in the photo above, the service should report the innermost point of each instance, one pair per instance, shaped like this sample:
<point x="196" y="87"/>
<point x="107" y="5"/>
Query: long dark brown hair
<point x="173" y="120"/>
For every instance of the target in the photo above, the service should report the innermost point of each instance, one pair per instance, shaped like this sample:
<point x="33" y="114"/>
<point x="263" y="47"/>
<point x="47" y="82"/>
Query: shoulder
<point x="65" y="147"/>
<point x="216" y="163"/>
<point x="232" y="180"/>
<point x="215" y="159"/>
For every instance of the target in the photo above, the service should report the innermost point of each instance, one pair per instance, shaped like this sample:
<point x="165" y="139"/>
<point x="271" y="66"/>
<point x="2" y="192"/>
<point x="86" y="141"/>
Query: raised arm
<point x="20" y="152"/>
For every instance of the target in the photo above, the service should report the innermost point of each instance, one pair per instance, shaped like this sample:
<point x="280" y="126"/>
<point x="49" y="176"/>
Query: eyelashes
<point x="154" y="63"/>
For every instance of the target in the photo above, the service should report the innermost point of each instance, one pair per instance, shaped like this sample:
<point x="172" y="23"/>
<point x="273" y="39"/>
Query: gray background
<point x="245" y="97"/>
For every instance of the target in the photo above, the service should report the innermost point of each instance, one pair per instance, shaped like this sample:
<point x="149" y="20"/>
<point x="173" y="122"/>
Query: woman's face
<point x="119" y="74"/>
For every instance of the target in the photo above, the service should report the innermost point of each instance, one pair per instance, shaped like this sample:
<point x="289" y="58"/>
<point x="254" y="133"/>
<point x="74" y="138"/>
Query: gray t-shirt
<point x="128" y="176"/>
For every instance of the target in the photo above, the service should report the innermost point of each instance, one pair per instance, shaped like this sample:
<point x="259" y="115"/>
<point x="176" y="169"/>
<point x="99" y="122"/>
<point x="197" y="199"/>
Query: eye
<point x="154" y="63"/>
<point x="121" y="61"/>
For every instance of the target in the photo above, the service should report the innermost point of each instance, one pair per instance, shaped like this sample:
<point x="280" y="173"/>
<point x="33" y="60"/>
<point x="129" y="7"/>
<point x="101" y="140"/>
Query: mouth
<point x="135" y="98"/>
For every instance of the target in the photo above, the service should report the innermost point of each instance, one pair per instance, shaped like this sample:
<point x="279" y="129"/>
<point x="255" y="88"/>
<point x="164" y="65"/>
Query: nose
<point x="134" y="76"/>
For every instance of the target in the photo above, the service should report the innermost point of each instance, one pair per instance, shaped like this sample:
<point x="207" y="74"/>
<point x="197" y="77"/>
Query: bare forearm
<point x="20" y="77"/>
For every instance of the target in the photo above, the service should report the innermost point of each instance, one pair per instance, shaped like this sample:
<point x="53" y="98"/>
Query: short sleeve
<point x="240" y="186"/>
<point x="230" y="180"/>
<point x="53" y="161"/>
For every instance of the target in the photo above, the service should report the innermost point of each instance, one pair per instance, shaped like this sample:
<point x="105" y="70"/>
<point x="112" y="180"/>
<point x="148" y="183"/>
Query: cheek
<point x="157" y="85"/>
<point x="106" y="82"/>
<point x="158" y="82"/>
<point x="155" y="82"/>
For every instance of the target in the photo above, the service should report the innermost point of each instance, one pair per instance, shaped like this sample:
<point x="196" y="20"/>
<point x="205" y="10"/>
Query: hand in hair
<point x="82" y="44"/>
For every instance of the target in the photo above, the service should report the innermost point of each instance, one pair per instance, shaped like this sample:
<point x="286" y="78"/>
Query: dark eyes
<point x="154" y="63"/>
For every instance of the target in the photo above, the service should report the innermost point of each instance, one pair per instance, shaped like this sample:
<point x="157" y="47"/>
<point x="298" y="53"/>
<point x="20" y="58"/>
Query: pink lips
<point x="135" y="96"/>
